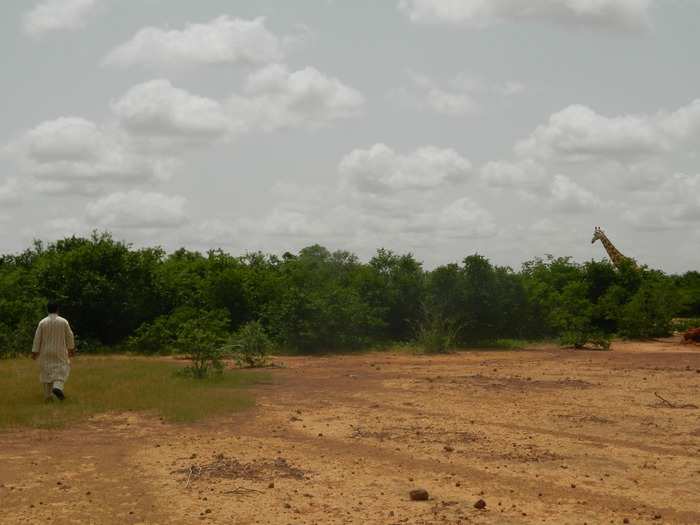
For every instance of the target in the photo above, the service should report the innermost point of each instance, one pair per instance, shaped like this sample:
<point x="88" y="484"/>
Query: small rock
<point x="419" y="495"/>
<point x="481" y="504"/>
<point x="271" y="486"/>
<point x="449" y="448"/>
<point x="207" y="511"/>
<point x="573" y="485"/>
<point x="657" y="516"/>
<point x="287" y="506"/>
<point x="626" y="520"/>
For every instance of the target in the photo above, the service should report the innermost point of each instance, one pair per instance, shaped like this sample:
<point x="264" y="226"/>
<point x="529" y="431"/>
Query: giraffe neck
<point x="615" y="256"/>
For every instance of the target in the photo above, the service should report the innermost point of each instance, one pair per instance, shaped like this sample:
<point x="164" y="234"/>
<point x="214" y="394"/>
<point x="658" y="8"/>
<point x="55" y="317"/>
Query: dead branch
<point x="243" y="491"/>
<point x="673" y="405"/>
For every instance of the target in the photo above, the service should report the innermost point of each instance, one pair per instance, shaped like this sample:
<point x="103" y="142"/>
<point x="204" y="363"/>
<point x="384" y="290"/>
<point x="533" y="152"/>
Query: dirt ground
<point x="541" y="436"/>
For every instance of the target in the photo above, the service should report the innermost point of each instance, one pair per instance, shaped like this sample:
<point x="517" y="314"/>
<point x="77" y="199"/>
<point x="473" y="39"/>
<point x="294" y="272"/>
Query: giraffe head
<point x="597" y="234"/>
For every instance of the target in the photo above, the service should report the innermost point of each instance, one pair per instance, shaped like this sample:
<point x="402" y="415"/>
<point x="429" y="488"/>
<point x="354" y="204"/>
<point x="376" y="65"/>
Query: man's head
<point x="52" y="307"/>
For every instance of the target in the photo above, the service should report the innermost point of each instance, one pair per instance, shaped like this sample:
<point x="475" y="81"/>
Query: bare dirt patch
<point x="539" y="436"/>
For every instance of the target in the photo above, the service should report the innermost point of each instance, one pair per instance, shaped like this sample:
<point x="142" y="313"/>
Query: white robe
<point x="52" y="340"/>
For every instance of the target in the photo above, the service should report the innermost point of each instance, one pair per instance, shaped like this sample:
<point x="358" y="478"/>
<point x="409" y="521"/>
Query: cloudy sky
<point x="439" y="127"/>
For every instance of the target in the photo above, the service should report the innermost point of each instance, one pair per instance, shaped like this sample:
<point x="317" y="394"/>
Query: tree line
<point x="121" y="298"/>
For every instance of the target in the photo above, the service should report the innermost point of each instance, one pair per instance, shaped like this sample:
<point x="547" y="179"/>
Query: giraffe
<point x="615" y="255"/>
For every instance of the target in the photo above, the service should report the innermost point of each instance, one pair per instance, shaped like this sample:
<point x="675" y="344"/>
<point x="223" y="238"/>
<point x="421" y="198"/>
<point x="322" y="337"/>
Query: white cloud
<point x="672" y="204"/>
<point x="626" y="14"/>
<point x="137" y="210"/>
<point x="648" y="219"/>
<point x="450" y="104"/>
<point x="274" y="98"/>
<point x="524" y="174"/>
<point x="54" y="15"/>
<point x="578" y="133"/>
<point x="224" y="40"/>
<point x="277" y="98"/>
<point x="10" y="192"/>
<point x="380" y="170"/>
<point x="462" y="218"/>
<point x="426" y="94"/>
<point x="683" y="124"/>
<point x="158" y="109"/>
<point x="72" y="151"/>
<point x="459" y="96"/>
<point x="291" y="223"/>
<point x="570" y="197"/>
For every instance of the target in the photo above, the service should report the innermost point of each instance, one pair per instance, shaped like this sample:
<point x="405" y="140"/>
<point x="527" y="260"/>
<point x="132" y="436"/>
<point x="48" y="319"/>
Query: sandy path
<point x="542" y="436"/>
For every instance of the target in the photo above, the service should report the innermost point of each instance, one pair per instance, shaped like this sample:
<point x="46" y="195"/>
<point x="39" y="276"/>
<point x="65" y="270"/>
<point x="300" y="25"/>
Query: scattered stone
<point x="419" y="495"/>
<point x="481" y="504"/>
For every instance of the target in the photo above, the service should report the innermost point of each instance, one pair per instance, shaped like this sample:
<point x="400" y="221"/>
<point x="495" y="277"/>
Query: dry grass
<point x="99" y="385"/>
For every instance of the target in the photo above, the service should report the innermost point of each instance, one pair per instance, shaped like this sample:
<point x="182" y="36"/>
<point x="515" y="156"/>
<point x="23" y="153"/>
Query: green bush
<point x="251" y="345"/>
<point x="649" y="312"/>
<point x="119" y="297"/>
<point x="436" y="333"/>
<point x="684" y="324"/>
<point x="202" y="340"/>
<point x="16" y="340"/>
<point x="573" y="316"/>
<point x="160" y="336"/>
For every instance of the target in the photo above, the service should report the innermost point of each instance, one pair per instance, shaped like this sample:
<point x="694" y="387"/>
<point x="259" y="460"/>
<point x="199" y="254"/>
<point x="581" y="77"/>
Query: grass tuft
<point x="99" y="385"/>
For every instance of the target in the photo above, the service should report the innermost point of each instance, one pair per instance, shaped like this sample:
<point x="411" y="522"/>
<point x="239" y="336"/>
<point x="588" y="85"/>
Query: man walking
<point x="54" y="345"/>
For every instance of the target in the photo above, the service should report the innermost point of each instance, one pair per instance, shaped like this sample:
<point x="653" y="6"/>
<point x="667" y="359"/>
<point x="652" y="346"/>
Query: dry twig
<point x="672" y="405"/>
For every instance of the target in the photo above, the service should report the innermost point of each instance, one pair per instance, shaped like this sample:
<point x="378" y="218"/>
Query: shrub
<point x="579" y="339"/>
<point x="572" y="315"/>
<point x="202" y="340"/>
<point x="649" y="313"/>
<point x="16" y="340"/>
<point x="251" y="345"/>
<point x="684" y="324"/>
<point x="161" y="335"/>
<point x="437" y="333"/>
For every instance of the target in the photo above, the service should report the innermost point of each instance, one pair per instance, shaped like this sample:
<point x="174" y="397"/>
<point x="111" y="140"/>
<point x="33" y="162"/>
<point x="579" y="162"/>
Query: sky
<point x="442" y="128"/>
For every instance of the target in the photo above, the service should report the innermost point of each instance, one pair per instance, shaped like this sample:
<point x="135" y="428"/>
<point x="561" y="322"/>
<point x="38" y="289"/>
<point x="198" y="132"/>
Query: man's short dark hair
<point x="52" y="307"/>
